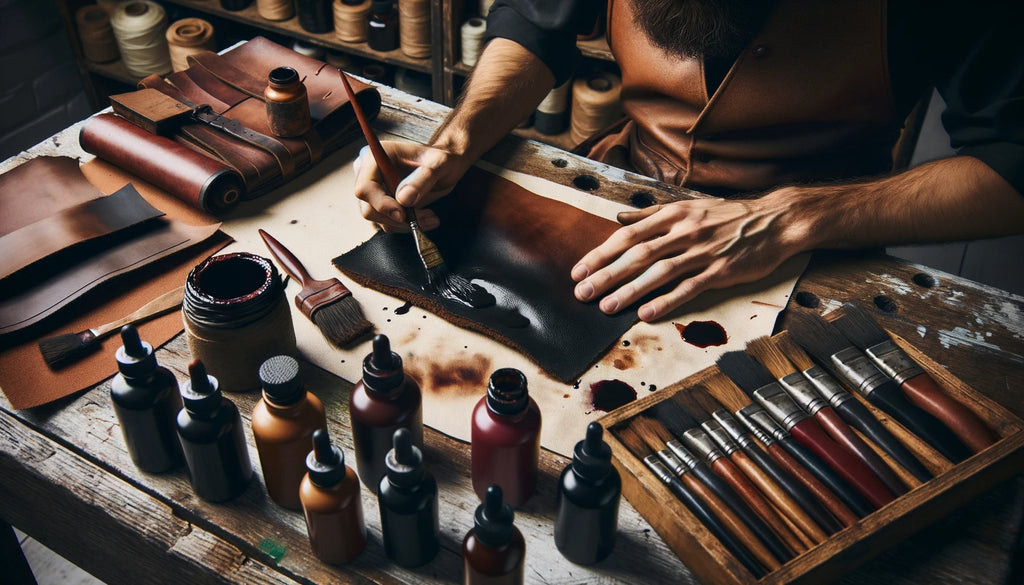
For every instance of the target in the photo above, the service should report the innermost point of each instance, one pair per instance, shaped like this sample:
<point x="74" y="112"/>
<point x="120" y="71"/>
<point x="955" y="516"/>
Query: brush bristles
<point x="744" y="370"/>
<point x="728" y="393"/>
<point x="818" y="337"/>
<point x="63" y="349"/>
<point x="766" y="352"/>
<point x="698" y="402"/>
<point x="429" y="254"/>
<point x="342" y="322"/>
<point x="675" y="418"/>
<point x="647" y="429"/>
<point x="631" y="439"/>
<point x="784" y="341"/>
<point x="857" y="326"/>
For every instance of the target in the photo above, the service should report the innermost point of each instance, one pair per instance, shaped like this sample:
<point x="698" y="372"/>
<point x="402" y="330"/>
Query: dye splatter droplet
<point x="403" y="309"/>
<point x="607" y="395"/>
<point x="702" y="333"/>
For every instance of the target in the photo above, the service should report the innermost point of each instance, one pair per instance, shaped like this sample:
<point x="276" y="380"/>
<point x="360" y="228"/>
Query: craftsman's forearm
<point x="507" y="84"/>
<point x="957" y="198"/>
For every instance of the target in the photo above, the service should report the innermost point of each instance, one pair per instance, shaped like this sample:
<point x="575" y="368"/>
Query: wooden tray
<point x="952" y="486"/>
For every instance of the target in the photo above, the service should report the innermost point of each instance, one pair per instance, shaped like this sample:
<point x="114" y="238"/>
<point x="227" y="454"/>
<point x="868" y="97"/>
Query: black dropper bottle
<point x="210" y="429"/>
<point x="382" y="27"/>
<point x="588" y="501"/>
<point x="146" y="400"/>
<point x="408" y="505"/>
<point x="494" y="550"/>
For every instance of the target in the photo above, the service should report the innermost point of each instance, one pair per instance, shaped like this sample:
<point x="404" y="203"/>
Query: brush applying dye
<point x="439" y="279"/>
<point x="327" y="303"/>
<point x="832" y="350"/>
<point x="851" y="409"/>
<point x="695" y="505"/>
<point x="920" y="388"/>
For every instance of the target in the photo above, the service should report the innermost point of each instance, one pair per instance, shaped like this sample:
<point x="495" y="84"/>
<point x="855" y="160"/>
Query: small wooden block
<point x="151" y="110"/>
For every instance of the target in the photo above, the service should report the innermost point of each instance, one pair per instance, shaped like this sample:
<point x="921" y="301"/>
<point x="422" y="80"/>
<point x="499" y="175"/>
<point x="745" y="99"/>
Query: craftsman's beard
<point x="700" y="28"/>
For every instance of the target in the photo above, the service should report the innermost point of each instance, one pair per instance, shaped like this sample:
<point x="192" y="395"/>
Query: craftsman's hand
<point x="693" y="245"/>
<point x="430" y="173"/>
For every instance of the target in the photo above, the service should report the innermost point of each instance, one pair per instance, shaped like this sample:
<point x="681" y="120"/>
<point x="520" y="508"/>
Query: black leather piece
<point x="520" y="247"/>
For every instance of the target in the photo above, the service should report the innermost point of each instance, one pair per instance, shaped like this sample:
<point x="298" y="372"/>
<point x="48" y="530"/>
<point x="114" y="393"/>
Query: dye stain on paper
<point x="607" y="395"/>
<point x="702" y="333"/>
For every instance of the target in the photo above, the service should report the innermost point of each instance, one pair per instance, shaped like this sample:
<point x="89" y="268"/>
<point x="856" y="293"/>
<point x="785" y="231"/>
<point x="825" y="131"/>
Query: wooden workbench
<point x="66" y="479"/>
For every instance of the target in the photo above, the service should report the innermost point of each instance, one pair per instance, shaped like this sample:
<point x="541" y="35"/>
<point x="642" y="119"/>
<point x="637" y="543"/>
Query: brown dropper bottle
<point x="332" y="503"/>
<point x="283" y="422"/>
<point x="494" y="550"/>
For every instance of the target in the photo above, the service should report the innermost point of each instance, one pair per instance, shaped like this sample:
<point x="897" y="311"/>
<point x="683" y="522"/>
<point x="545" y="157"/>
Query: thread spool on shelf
<point x="96" y="34"/>
<point x="276" y="9"/>
<point x="350" y="18"/>
<point x="414" y="28"/>
<point x="310" y="50"/>
<point x="553" y="112"/>
<point x="315" y="16"/>
<point x="139" y="29"/>
<point x="188" y="37"/>
<point x="595" y="104"/>
<point x="472" y="40"/>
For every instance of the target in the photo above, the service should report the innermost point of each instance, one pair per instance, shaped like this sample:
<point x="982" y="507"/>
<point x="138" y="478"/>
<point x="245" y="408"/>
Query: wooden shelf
<point x="115" y="70"/>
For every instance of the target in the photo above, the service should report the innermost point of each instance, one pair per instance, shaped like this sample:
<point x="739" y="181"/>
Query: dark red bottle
<point x="588" y="501"/>
<point x="384" y="401"/>
<point x="494" y="550"/>
<point x="506" y="438"/>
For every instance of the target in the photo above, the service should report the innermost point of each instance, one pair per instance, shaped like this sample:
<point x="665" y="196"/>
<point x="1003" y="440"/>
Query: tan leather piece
<point x="27" y="195"/>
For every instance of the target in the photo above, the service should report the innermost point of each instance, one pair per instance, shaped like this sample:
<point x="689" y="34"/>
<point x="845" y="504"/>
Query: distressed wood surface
<point x="66" y="479"/>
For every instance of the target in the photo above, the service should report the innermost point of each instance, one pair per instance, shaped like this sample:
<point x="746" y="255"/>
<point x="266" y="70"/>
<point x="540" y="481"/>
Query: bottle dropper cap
<point x="506" y="391"/>
<point x="279" y="377"/>
<point x="592" y="457"/>
<point x="135" y="358"/>
<point x="382" y="369"/>
<point x="326" y="463"/>
<point x="493" y="519"/>
<point x="201" y="393"/>
<point x="405" y="461"/>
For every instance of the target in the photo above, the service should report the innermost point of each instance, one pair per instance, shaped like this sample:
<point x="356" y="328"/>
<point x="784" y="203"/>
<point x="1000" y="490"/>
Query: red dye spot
<point x="607" y="395"/>
<point x="702" y="333"/>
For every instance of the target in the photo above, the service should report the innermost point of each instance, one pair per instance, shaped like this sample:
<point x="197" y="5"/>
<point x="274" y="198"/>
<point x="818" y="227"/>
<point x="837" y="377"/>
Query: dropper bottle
<point x="588" y="501"/>
<point x="332" y="503"/>
<point x="493" y="550"/>
<point x="146" y="402"/>
<point x="210" y="430"/>
<point x="408" y="505"/>
<point x="383" y="401"/>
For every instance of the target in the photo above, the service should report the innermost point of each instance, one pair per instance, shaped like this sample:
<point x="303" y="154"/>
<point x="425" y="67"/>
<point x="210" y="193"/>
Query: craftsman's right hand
<point x="430" y="173"/>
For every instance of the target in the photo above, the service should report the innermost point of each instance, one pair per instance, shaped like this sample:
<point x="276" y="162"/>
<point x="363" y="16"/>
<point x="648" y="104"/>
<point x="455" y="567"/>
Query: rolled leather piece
<point x="197" y="179"/>
<point x="520" y="247"/>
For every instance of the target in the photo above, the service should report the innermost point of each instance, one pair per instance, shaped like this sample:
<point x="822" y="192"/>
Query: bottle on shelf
<point x="382" y="28"/>
<point x="409" y="520"/>
<point x="332" y="503"/>
<point x="493" y="550"/>
<point x="589" y="491"/>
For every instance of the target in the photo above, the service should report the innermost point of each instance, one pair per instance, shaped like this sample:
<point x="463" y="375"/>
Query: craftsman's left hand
<point x="697" y="245"/>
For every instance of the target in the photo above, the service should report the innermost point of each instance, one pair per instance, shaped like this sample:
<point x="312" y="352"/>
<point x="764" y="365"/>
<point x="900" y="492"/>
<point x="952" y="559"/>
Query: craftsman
<point x="808" y="101"/>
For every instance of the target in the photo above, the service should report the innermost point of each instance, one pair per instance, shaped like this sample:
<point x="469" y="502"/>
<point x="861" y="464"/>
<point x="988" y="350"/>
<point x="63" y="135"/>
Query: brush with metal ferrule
<point x="753" y="379"/>
<point x="694" y="504"/>
<point x="803" y="393"/>
<point x="858" y="326"/>
<point x="832" y="350"/>
<point x="681" y="463"/>
<point x="439" y="279"/>
<point x="851" y="409"/>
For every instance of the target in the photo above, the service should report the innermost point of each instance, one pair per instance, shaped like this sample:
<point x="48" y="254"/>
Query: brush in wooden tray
<point x="833" y="350"/>
<point x="803" y="393"/>
<point x="809" y="514"/>
<point x="327" y="303"/>
<point x="440" y="280"/>
<point x="706" y="510"/>
<point x="763" y="520"/>
<point x="757" y="382"/>
<point x="60" y="350"/>
<point x="860" y="328"/>
<point x="851" y="409"/>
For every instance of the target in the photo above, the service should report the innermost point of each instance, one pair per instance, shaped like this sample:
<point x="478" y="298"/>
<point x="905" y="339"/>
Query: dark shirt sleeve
<point x="546" y="28"/>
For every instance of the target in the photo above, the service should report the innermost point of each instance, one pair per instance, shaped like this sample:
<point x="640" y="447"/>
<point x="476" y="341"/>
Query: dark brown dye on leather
<point x="702" y="333"/>
<point x="607" y="395"/>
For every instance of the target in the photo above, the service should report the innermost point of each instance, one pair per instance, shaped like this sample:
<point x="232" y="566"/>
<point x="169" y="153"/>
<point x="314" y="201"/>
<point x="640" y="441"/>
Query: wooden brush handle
<point x="861" y="418"/>
<point x="844" y="435"/>
<point x="836" y="484"/>
<point x="163" y="303"/>
<point x="288" y="260"/>
<point x="750" y="494"/>
<point x="924" y="392"/>
<point x="380" y="156"/>
<point x="814" y="513"/>
<point x="833" y="504"/>
<point x="891" y="399"/>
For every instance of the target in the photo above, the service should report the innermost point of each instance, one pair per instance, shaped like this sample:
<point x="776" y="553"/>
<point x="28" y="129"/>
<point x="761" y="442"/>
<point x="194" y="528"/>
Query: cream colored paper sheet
<point x="318" y="218"/>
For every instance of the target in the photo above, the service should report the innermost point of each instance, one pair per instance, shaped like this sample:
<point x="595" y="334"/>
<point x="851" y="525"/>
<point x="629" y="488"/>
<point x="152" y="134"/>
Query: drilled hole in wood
<point x="886" y="304"/>
<point x="560" y="163"/>
<point x="586" y="182"/>
<point x="924" y="280"/>
<point x="807" y="299"/>
<point x="642" y="199"/>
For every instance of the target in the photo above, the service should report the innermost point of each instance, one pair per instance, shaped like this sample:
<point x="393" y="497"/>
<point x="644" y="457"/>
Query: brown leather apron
<point x="808" y="100"/>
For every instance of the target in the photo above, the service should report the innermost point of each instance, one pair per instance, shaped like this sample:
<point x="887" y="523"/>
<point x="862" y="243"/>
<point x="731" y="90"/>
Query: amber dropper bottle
<point x="384" y="401"/>
<point x="332" y="503"/>
<point x="146" y="401"/>
<point x="283" y="422"/>
<point x="588" y="501"/>
<point x="408" y="505"/>
<point x="494" y="550"/>
<point x="212" y="439"/>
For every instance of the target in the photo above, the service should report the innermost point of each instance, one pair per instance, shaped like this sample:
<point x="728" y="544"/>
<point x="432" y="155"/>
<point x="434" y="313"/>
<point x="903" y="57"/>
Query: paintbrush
<point x="757" y="382"/>
<point x="439" y="279"/>
<point x="803" y="393"/>
<point x="759" y="515"/>
<point x="694" y="504"/>
<point x="61" y="350"/>
<point x="855" y="323"/>
<point x="831" y="349"/>
<point x="851" y="409"/>
<point x="327" y="303"/>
